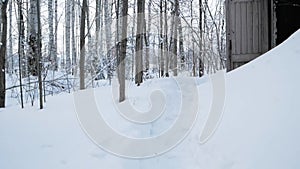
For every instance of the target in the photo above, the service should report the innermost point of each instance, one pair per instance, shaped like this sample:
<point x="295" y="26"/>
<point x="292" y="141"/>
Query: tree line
<point x="50" y="46"/>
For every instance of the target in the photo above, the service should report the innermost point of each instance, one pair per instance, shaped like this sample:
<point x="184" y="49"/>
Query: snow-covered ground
<point x="259" y="127"/>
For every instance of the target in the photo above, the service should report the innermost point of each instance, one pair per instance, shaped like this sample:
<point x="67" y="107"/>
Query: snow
<point x="259" y="126"/>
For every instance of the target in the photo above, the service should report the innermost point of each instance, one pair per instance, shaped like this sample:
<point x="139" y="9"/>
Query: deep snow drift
<point x="259" y="128"/>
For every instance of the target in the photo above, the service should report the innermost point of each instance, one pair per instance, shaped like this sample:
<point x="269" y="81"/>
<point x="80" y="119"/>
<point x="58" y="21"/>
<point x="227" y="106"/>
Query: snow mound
<point x="259" y="128"/>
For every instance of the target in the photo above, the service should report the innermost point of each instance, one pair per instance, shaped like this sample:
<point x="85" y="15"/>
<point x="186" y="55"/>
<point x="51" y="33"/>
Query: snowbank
<point x="259" y="129"/>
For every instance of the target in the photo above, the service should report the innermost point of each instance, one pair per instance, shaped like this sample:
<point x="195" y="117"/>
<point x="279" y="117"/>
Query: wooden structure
<point x="256" y="26"/>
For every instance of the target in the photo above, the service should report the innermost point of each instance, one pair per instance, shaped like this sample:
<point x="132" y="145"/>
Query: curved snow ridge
<point x="260" y="126"/>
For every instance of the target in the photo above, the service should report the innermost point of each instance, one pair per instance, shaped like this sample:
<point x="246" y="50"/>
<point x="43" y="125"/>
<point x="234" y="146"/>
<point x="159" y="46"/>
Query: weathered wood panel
<point x="255" y="27"/>
<point x="247" y="30"/>
<point x="249" y="27"/>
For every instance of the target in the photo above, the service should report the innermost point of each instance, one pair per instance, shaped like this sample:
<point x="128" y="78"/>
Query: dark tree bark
<point x="21" y="48"/>
<point x="201" y="63"/>
<point x="51" y="54"/>
<point x="166" y="49"/>
<point x="39" y="53"/>
<point x="147" y="37"/>
<point x="123" y="48"/>
<point x="181" y="47"/>
<point x="82" y="45"/>
<point x="161" y="41"/>
<point x="175" y="38"/>
<point x="139" y="42"/>
<point x="3" y="52"/>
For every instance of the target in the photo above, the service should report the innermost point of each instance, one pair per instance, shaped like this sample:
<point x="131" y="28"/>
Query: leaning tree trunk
<point x="3" y="5"/>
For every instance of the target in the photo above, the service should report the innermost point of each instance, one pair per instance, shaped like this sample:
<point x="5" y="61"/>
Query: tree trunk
<point x="98" y="25"/>
<point x="51" y="54"/>
<point x="73" y="38"/>
<point x="166" y="49"/>
<point x="181" y="47"/>
<point x="39" y="52"/>
<point x="21" y="48"/>
<point x="33" y="44"/>
<point x="201" y="63"/>
<point x="82" y="45"/>
<point x="139" y="42"/>
<point x="55" y="36"/>
<point x="147" y="37"/>
<point x="68" y="35"/>
<point x="108" y="22"/>
<point x="123" y="48"/>
<point x="3" y="52"/>
<point x="10" y="57"/>
<point x="175" y="38"/>
<point x="161" y="41"/>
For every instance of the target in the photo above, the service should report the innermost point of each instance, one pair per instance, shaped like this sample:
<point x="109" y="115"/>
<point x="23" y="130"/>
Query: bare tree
<point x="147" y="37"/>
<point x="108" y="22"/>
<point x="51" y="54"/>
<point x="165" y="40"/>
<point x="3" y="5"/>
<point x="82" y="45"/>
<point x="10" y="57"/>
<point x="21" y="47"/>
<point x="73" y="37"/>
<point x="39" y="53"/>
<point x="200" y="59"/>
<point x="161" y="37"/>
<point x="175" y="37"/>
<point x="123" y="48"/>
<point x="68" y="35"/>
<point x="139" y="42"/>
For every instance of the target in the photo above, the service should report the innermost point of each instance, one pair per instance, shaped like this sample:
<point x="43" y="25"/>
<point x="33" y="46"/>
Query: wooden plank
<point x="265" y="27"/>
<point x="250" y="27"/>
<point x="232" y="26"/>
<point x="228" y="34"/>
<point x="260" y="26"/>
<point x="244" y="27"/>
<point x="255" y="26"/>
<point x="238" y="27"/>
<point x="244" y="57"/>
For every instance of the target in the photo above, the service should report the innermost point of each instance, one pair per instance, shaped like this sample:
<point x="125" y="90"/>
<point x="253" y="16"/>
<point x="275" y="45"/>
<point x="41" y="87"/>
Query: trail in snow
<point x="259" y="128"/>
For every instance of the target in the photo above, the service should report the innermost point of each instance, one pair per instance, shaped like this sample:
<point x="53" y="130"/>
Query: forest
<point x="49" y="47"/>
